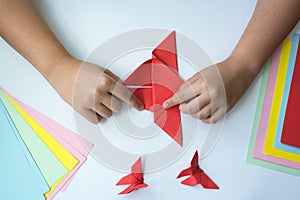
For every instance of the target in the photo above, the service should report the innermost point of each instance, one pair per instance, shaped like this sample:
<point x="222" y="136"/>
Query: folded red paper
<point x="197" y="175"/>
<point x="160" y="75"/>
<point x="290" y="133"/>
<point x="135" y="178"/>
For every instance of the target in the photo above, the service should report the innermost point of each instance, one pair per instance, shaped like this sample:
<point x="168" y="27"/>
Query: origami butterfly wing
<point x="131" y="188"/>
<point x="191" y="181"/>
<point x="200" y="178"/>
<point x="192" y="169"/>
<point x="142" y="185"/>
<point x="128" y="190"/>
<point x="195" y="161"/>
<point x="129" y="179"/>
<point x="207" y="182"/>
<point x="185" y="172"/>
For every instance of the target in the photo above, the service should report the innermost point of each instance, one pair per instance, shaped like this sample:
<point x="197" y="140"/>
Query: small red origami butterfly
<point x="197" y="175"/>
<point x="135" y="178"/>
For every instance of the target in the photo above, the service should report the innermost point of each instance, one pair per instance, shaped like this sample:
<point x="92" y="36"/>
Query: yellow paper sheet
<point x="269" y="148"/>
<point x="65" y="157"/>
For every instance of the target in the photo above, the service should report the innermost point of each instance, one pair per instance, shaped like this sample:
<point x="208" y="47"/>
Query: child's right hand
<point x="213" y="91"/>
<point x="91" y="90"/>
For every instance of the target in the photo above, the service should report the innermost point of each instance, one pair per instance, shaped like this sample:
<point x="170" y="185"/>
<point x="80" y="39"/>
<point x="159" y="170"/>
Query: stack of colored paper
<point x="275" y="139"/>
<point x="38" y="156"/>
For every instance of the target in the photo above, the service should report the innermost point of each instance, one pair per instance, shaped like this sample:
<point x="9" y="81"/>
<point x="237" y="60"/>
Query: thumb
<point x="169" y="103"/>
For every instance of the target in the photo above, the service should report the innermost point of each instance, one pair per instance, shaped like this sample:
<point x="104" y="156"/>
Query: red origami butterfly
<point x="197" y="175"/>
<point x="135" y="178"/>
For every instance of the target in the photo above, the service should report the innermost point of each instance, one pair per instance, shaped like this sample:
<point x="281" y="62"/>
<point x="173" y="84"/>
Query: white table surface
<point x="214" y="25"/>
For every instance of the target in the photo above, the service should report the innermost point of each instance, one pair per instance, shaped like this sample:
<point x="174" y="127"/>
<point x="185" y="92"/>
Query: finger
<point x="115" y="77"/>
<point x="188" y="90"/>
<point x="181" y="96"/>
<point x="194" y="78"/>
<point x="191" y="80"/>
<point x="216" y="116"/>
<point x="111" y="102"/>
<point x="90" y="116"/>
<point x="102" y="110"/>
<point x="204" y="113"/>
<point x="108" y="84"/>
<point x="125" y="95"/>
<point x="196" y="104"/>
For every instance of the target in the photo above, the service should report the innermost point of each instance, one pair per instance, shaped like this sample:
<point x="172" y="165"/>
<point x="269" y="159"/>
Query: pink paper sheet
<point x="264" y="119"/>
<point x="77" y="146"/>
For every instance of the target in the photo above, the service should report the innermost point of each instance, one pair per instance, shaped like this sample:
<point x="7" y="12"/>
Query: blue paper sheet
<point x="36" y="171"/>
<point x="287" y="85"/>
<point x="17" y="178"/>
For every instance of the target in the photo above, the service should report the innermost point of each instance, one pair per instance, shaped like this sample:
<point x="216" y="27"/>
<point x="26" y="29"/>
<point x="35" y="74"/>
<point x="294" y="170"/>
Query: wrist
<point x="59" y="67"/>
<point x="237" y="76"/>
<point x="244" y="65"/>
<point x="62" y="76"/>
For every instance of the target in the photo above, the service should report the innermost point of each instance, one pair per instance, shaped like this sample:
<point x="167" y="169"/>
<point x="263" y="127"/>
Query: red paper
<point x="197" y="175"/>
<point x="291" y="127"/>
<point x="135" y="178"/>
<point x="161" y="74"/>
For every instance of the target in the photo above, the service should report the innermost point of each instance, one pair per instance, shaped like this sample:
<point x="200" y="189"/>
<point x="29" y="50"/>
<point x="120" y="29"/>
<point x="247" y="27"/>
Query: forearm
<point x="270" y="24"/>
<point x="24" y="29"/>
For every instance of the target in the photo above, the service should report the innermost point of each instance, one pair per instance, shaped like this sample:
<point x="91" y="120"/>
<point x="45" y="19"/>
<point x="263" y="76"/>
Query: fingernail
<point x="165" y="105"/>
<point x="141" y="107"/>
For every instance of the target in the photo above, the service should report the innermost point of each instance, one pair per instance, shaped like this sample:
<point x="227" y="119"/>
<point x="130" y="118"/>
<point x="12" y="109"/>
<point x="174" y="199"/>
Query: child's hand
<point x="91" y="90"/>
<point x="212" y="92"/>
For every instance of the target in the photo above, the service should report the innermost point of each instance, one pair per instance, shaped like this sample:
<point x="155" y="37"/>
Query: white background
<point x="215" y="25"/>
